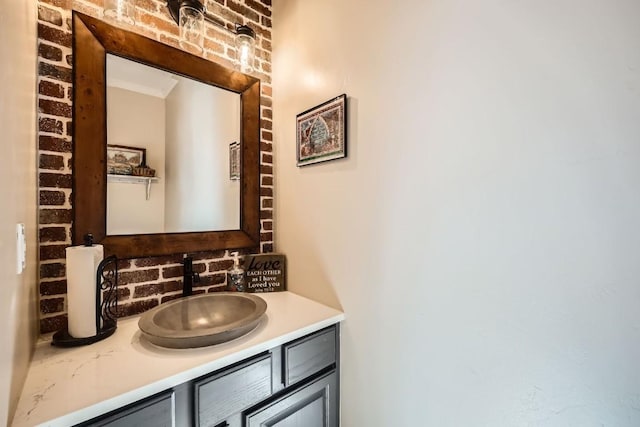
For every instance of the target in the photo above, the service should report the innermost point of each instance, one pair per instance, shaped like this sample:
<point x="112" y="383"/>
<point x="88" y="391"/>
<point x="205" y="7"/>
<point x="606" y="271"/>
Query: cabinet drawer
<point x="228" y="392"/>
<point x="312" y="405"/>
<point x="157" y="411"/>
<point x="309" y="355"/>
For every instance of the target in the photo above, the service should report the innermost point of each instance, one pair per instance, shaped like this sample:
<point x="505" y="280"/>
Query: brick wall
<point x="143" y="283"/>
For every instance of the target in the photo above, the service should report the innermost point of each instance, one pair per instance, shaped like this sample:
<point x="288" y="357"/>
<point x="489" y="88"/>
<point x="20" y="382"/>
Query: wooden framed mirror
<point x="93" y="41"/>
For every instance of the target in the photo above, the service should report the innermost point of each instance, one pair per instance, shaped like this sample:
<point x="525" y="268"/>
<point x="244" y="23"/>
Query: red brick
<point x="46" y="124"/>
<point x="148" y="290"/>
<point x="267" y="158"/>
<point x="266" y="44"/>
<point x="54" y="35"/>
<point x="267" y="225"/>
<point x="51" y="252"/>
<point x="53" y="324"/>
<point x="263" y="33"/>
<point x="267" y="247"/>
<point x="149" y="5"/>
<point x="199" y="256"/>
<point x="213" y="46"/>
<point x="51" y="143"/>
<point x="266" y="214"/>
<point x="210" y="280"/>
<point x="59" y="287"/>
<point x="266" y="192"/>
<point x="217" y="288"/>
<point x="168" y="298"/>
<point x="52" y="198"/>
<point x="136" y="307"/>
<point x="53" y="270"/>
<point x="267" y="180"/>
<point x="170" y="272"/>
<point x="53" y="234"/>
<point x="266" y="147"/>
<point x="267" y="113"/>
<point x="65" y="4"/>
<point x="49" y="52"/>
<point x="123" y="294"/>
<point x="266" y="237"/>
<point x="54" y="108"/>
<point x="49" y="15"/>
<point x="138" y="276"/>
<point x="266" y="169"/>
<point x="55" y="216"/>
<point x="164" y="25"/>
<point x="52" y="162"/>
<point x="243" y="10"/>
<point x="266" y="22"/>
<point x="267" y="136"/>
<point x="55" y="180"/>
<point x="266" y="124"/>
<point x="267" y="203"/>
<point x="124" y="264"/>
<point x="220" y="265"/>
<point x="258" y="7"/>
<point x="157" y="261"/>
<point x="51" y="305"/>
<point x="50" y="89"/>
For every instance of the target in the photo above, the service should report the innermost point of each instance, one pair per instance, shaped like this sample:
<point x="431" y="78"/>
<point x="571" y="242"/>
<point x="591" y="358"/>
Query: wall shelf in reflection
<point x="132" y="179"/>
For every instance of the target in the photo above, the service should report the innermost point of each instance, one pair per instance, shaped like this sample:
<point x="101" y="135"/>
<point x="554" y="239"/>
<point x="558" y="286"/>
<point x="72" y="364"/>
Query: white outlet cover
<point x="21" y="249"/>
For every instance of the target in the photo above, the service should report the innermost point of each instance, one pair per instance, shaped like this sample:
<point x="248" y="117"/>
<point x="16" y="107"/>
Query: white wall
<point x="18" y="194"/>
<point x="202" y="121"/>
<point x="483" y="235"/>
<point x="136" y="120"/>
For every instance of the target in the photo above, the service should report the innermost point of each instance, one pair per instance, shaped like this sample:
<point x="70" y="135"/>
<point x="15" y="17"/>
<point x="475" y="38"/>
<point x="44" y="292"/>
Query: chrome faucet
<point x="189" y="277"/>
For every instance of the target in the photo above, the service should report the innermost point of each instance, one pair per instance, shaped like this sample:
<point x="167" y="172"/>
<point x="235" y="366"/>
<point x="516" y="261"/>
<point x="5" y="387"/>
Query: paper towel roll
<point x="82" y="267"/>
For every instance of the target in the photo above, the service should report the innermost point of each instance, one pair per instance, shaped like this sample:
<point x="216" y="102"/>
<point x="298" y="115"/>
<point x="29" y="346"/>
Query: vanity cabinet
<point x="156" y="411"/>
<point x="292" y="385"/>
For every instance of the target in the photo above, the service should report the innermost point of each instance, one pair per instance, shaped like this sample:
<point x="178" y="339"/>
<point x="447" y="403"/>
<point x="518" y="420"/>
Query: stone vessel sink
<point x="202" y="320"/>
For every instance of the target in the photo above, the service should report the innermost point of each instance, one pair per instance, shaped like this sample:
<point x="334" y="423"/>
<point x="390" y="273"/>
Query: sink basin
<point x="202" y="320"/>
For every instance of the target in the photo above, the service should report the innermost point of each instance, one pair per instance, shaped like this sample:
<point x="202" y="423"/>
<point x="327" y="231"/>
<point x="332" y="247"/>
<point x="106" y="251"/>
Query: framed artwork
<point x="122" y="159"/>
<point x="234" y="161"/>
<point x="320" y="132"/>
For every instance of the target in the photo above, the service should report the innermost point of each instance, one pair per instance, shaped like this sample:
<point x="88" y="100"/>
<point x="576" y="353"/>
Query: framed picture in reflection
<point x="234" y="161"/>
<point x="122" y="159"/>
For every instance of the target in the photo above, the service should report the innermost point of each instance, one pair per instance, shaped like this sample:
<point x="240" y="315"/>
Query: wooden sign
<point x="264" y="273"/>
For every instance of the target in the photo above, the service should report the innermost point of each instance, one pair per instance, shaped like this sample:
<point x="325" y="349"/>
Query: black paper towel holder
<point x="106" y="306"/>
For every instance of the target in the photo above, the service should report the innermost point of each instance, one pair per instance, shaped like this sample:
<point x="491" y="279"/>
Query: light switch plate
<point x="21" y="249"/>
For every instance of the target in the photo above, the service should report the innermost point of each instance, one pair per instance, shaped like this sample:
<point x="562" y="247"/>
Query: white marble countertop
<point x="68" y="386"/>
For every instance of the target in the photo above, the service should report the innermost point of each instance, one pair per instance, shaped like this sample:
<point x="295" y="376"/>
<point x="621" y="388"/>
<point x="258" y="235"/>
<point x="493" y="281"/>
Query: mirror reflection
<point x="172" y="152"/>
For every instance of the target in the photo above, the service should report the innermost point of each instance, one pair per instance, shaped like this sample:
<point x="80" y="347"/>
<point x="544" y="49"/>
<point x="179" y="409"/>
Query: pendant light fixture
<point x="191" y="23"/>
<point x="190" y="16"/>
<point x="245" y="48"/>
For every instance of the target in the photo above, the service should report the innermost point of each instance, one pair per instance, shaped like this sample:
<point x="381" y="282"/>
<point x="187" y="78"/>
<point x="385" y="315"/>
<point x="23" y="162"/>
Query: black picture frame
<point x="321" y="132"/>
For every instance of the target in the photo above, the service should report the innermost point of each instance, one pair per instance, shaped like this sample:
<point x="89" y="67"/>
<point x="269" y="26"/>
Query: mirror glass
<point x="188" y="132"/>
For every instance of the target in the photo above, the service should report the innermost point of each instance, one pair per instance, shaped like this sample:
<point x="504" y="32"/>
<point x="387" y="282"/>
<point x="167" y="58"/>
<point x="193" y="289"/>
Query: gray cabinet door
<point x="154" y="412"/>
<point x="312" y="405"/>
<point x="228" y="392"/>
<point x="309" y="355"/>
